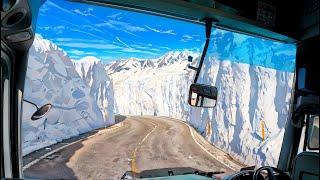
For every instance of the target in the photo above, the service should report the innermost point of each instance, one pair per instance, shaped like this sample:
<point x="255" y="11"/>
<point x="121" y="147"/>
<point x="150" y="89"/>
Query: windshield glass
<point x="118" y="82"/>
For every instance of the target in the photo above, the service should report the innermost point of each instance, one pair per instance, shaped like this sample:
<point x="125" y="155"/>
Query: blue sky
<point x="112" y="34"/>
<point x="82" y="30"/>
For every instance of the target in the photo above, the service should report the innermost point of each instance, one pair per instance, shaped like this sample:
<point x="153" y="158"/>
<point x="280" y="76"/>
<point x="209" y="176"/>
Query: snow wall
<point x="80" y="102"/>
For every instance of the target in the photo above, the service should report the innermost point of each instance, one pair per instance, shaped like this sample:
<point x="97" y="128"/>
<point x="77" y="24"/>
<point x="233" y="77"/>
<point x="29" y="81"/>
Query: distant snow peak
<point x="83" y="65"/>
<point x="135" y="64"/>
<point x="148" y="64"/>
<point x="43" y="45"/>
<point x="89" y="59"/>
<point x="172" y="57"/>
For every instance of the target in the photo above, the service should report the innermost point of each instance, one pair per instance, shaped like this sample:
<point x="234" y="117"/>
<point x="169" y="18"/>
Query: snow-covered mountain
<point x="77" y="107"/>
<point x="251" y="96"/>
<point x="130" y="64"/>
<point x="172" y="57"/>
<point x="134" y="64"/>
<point x="82" y="66"/>
<point x="148" y="64"/>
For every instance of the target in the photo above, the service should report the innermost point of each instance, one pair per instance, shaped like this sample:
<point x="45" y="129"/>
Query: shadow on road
<point x="54" y="166"/>
<point x="119" y="118"/>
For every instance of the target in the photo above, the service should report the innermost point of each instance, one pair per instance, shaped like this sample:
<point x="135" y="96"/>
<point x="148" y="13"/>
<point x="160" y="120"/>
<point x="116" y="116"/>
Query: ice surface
<point x="101" y="87"/>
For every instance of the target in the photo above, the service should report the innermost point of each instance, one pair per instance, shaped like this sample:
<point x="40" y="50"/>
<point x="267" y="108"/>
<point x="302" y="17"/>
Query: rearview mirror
<point x="41" y="112"/>
<point x="202" y="95"/>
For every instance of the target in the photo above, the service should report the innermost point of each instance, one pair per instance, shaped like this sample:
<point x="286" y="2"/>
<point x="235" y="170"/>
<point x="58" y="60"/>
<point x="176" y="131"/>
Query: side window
<point x="309" y="140"/>
<point x="5" y="104"/>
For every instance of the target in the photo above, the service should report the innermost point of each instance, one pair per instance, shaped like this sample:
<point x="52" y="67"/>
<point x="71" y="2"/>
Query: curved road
<point x="141" y="143"/>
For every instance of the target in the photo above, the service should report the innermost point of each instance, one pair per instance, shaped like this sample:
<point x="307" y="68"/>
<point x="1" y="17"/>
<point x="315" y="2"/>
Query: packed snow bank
<point x="253" y="96"/>
<point x="78" y="107"/>
<point x="94" y="75"/>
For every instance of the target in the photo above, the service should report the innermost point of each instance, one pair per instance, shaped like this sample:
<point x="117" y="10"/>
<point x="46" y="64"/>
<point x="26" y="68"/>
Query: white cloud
<point x="79" y="40"/>
<point x="87" y="28"/>
<point x="145" y="47"/>
<point x="186" y="38"/>
<point x="131" y="33"/>
<point x="122" y="42"/>
<point x="52" y="28"/>
<point x="79" y="52"/>
<point x="44" y="8"/>
<point x="89" y="45"/>
<point x="161" y="31"/>
<point x="75" y="53"/>
<point x="114" y="15"/>
<point x="87" y="33"/>
<point x="59" y="27"/>
<point x="132" y="50"/>
<point x="49" y="3"/>
<point x="46" y="28"/>
<point x="106" y="24"/>
<point x="92" y="28"/>
<point x="120" y="25"/>
<point x="106" y="57"/>
<point x="86" y="12"/>
<point x="55" y="29"/>
<point x="74" y="56"/>
<point x="163" y="47"/>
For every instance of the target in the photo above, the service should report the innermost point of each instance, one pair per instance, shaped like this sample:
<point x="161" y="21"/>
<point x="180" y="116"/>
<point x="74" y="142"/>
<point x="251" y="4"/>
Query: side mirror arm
<point x="208" y="22"/>
<point x="31" y="103"/>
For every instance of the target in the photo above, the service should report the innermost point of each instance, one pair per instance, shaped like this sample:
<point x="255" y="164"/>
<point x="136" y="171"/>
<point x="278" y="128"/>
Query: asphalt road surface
<point x="140" y="143"/>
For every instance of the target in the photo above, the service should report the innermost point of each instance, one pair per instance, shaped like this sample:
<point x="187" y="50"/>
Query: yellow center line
<point x="134" y="167"/>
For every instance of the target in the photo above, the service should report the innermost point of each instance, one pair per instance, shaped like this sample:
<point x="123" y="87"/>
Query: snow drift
<point x="80" y="102"/>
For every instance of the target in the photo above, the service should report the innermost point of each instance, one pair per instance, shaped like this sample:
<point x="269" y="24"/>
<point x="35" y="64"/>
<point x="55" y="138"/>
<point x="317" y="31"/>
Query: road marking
<point x="134" y="166"/>
<point x="113" y="127"/>
<point x="203" y="148"/>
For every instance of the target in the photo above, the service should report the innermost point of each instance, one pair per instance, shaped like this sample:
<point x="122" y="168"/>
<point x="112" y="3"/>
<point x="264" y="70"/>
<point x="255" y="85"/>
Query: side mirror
<point x="313" y="133"/>
<point x="41" y="112"/>
<point x="202" y="95"/>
